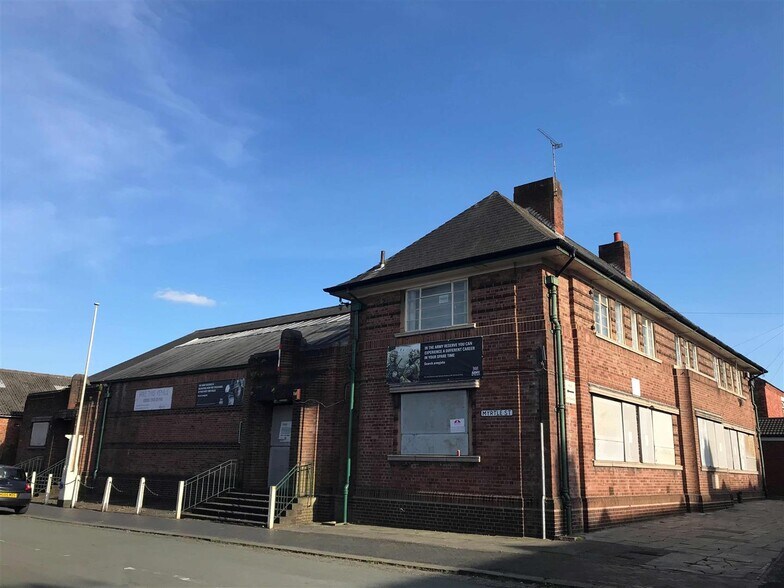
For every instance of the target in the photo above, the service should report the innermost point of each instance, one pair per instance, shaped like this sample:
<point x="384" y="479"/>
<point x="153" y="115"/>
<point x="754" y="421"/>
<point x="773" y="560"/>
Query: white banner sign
<point x="153" y="399"/>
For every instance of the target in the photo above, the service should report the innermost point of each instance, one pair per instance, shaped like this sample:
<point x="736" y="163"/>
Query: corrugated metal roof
<point x="232" y="345"/>
<point x="16" y="386"/>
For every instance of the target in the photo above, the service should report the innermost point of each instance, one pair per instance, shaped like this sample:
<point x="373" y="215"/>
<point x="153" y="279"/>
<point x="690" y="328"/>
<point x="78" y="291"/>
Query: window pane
<point x="608" y="429"/>
<point x="39" y="434"/>
<point x="425" y="423"/>
<point x="436" y="310"/>
<point x="412" y="310"/>
<point x="735" y="449"/>
<point x="635" y="334"/>
<point x="646" y="435"/>
<point x="619" y="334"/>
<point x="630" y="437"/>
<point x="706" y="453"/>
<point x="436" y="290"/>
<point x="664" y="447"/>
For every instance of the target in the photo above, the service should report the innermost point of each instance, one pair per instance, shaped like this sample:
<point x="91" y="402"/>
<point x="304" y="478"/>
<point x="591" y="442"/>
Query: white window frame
<point x="648" y="337"/>
<point x="727" y="376"/>
<point x="601" y="310"/>
<point x="636" y="423"/>
<point x="418" y="320"/>
<point x="686" y="354"/>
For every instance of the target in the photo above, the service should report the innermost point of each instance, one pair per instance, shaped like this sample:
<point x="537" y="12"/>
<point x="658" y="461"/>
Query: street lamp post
<point x="71" y="471"/>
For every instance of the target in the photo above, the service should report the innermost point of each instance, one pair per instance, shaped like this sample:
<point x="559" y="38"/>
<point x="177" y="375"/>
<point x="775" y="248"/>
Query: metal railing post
<point x="75" y="495"/>
<point x="48" y="488"/>
<point x="32" y="485"/>
<point x="107" y="492"/>
<point x="140" y="496"/>
<point x="271" y="507"/>
<point x="180" y="497"/>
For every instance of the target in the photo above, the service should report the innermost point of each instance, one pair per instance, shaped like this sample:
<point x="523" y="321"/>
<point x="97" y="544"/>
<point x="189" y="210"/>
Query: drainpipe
<point x="552" y="294"/>
<point x="356" y="307"/>
<point x="759" y="438"/>
<point x="107" y="396"/>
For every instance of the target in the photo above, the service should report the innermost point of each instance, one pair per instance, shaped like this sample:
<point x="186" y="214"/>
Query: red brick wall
<point x="510" y="312"/>
<point x="45" y="406"/>
<point x="9" y="438"/>
<point x="768" y="399"/>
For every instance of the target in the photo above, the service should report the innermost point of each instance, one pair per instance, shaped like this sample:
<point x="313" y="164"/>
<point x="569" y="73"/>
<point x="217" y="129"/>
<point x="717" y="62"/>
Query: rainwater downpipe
<point x="107" y="396"/>
<point x="752" y="383"/>
<point x="356" y="307"/>
<point x="563" y="454"/>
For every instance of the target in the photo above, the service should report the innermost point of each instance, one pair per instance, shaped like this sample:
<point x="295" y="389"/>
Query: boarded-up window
<point x="39" y="433"/>
<point x="646" y="435"/>
<point x="749" y="455"/>
<point x="608" y="429"/>
<point x="631" y="433"/>
<point x="434" y="423"/>
<point x="664" y="448"/>
<point x="725" y="448"/>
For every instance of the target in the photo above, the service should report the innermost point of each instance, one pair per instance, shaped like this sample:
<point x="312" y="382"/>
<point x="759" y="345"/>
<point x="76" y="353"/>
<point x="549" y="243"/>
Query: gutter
<point x="759" y="436"/>
<point x="107" y="396"/>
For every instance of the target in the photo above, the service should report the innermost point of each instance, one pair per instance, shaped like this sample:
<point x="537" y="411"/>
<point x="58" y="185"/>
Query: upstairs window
<point x="601" y="314"/>
<point x="728" y="377"/>
<point x="434" y="307"/>
<point x="686" y="353"/>
<point x="39" y="434"/>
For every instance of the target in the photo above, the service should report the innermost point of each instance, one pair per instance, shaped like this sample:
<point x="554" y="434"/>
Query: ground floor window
<point x="630" y="433"/>
<point x="434" y="423"/>
<point x="39" y="433"/>
<point x="724" y="448"/>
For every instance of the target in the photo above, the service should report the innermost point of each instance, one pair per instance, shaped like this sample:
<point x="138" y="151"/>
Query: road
<point x="41" y="553"/>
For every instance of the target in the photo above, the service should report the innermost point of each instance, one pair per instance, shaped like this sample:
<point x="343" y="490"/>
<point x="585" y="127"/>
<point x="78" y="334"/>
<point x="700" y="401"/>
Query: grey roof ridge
<point x="272" y="321"/>
<point x="35" y="373"/>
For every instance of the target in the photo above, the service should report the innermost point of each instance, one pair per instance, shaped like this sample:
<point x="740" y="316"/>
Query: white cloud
<point x="620" y="99"/>
<point x="184" y="297"/>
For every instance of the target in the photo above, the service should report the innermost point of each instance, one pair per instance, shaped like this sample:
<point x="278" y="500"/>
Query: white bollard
<point x="48" y="488"/>
<point x="77" y="484"/>
<point x="271" y="507"/>
<point x="180" y="497"/>
<point x="140" y="496"/>
<point x="32" y="485"/>
<point x="107" y="492"/>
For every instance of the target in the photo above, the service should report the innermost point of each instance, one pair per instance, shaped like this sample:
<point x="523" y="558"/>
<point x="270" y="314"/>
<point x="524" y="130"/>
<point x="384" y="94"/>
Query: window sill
<point x="439" y="329"/>
<point x="632" y="349"/>
<point x="640" y="465"/>
<point x="436" y="458"/>
<point x="726" y="471"/>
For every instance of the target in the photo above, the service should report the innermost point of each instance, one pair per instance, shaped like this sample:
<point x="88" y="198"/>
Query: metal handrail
<point x="297" y="483"/>
<point x="56" y="469"/>
<point x="31" y="465"/>
<point x="209" y="483"/>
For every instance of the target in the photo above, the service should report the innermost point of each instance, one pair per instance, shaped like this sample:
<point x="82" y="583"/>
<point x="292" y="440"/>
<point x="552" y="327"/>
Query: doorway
<point x="280" y="443"/>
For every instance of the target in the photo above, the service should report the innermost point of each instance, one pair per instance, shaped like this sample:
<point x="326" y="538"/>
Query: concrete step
<point x="209" y="510"/>
<point x="236" y="504"/>
<point x="222" y="519"/>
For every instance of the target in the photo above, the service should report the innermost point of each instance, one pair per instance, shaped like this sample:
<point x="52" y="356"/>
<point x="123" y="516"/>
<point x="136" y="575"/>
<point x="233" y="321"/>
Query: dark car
<point x="15" y="491"/>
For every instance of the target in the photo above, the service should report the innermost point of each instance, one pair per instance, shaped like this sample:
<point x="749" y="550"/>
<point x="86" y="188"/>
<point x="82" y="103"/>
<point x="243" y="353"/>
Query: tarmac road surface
<point x="40" y="554"/>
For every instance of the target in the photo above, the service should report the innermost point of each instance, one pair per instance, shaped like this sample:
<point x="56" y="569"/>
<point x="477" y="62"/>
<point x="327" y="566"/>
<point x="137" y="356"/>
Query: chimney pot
<point x="617" y="236"/>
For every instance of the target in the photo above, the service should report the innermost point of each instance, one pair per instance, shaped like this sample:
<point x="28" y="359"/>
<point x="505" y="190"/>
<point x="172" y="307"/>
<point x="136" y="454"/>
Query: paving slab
<point x="622" y="556"/>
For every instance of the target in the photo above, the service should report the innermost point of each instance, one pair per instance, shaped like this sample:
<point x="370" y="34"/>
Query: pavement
<point x="741" y="546"/>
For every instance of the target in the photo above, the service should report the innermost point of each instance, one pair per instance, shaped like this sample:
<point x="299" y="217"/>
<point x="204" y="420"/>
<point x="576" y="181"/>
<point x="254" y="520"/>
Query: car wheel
<point x="21" y="509"/>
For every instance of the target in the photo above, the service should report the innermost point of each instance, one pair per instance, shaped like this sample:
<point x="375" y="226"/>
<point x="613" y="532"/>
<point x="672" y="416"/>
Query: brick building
<point x="770" y="407"/>
<point x="505" y="374"/>
<point x="269" y="394"/>
<point x="16" y="387"/>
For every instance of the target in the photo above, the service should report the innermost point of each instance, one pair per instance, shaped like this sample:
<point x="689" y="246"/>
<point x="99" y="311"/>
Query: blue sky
<point x="199" y="164"/>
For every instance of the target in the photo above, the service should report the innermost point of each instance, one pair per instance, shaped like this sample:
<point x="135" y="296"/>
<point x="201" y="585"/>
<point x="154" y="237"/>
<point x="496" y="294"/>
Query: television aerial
<point x="554" y="145"/>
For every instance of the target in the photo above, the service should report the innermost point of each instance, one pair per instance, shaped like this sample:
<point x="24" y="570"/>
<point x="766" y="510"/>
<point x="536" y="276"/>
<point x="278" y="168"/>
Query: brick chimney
<point x="544" y="197"/>
<point x="74" y="390"/>
<point x="618" y="254"/>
